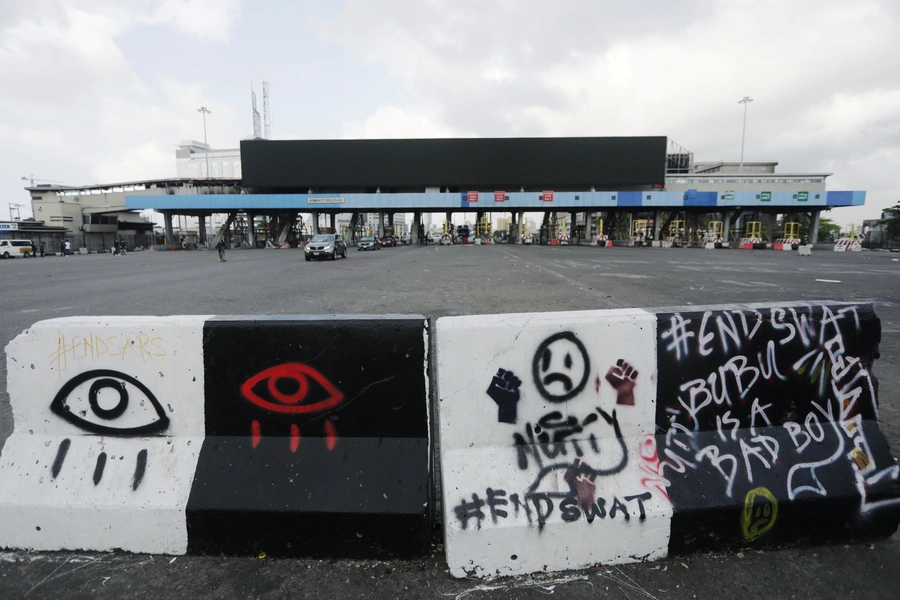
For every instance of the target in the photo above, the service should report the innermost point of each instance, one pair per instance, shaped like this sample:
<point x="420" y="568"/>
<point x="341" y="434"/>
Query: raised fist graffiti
<point x="504" y="390"/>
<point x="622" y="377"/>
<point x="581" y="478"/>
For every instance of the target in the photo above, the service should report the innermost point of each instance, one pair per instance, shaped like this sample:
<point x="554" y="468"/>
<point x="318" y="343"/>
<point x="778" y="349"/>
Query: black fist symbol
<point x="504" y="390"/>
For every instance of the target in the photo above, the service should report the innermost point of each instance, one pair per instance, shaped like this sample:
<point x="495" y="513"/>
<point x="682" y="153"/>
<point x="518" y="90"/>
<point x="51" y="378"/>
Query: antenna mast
<point x="256" y="129"/>
<point x="267" y="112"/>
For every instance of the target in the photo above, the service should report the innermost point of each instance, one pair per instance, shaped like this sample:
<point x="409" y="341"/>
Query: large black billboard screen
<point x="465" y="163"/>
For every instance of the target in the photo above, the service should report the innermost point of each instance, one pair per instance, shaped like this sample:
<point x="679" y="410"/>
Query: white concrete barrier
<point x="577" y="438"/>
<point x="204" y="435"/>
<point x="527" y="424"/>
<point x="108" y="425"/>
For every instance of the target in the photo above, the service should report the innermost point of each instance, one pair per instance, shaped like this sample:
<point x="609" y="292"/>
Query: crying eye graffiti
<point x="286" y="389"/>
<point x="110" y="402"/>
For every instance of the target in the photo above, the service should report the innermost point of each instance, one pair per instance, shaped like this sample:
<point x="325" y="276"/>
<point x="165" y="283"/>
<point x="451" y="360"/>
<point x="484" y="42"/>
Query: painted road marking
<point x="748" y="283"/>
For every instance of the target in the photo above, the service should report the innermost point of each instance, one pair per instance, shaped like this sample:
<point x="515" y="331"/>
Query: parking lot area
<point x="435" y="281"/>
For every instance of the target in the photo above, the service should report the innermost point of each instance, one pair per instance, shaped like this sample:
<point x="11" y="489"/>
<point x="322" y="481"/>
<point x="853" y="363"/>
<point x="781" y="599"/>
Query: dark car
<point x="325" y="245"/>
<point x="388" y="240"/>
<point x="368" y="242"/>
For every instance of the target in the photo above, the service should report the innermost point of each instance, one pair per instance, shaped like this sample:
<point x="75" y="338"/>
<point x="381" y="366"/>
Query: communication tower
<point x="256" y="129"/>
<point x="267" y="111"/>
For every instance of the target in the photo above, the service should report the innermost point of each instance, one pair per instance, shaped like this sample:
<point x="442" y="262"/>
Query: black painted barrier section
<point x="766" y="426"/>
<point x="317" y="438"/>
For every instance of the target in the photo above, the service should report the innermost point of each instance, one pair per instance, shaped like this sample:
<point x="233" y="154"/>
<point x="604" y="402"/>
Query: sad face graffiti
<point x="560" y="367"/>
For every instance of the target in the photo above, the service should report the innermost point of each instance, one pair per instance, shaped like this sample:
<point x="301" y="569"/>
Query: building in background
<point x="94" y="216"/>
<point x="275" y="192"/>
<point x="191" y="160"/>
<point x="875" y="234"/>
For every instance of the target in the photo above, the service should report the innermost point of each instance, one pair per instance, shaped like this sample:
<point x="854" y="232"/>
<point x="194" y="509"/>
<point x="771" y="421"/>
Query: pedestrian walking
<point x="221" y="248"/>
<point x="68" y="248"/>
<point x="121" y="247"/>
<point x="115" y="247"/>
<point x="62" y="247"/>
<point x="41" y="247"/>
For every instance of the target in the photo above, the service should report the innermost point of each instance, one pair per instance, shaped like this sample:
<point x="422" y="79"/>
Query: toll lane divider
<point x="298" y="435"/>
<point x="567" y="439"/>
<point x="612" y="436"/>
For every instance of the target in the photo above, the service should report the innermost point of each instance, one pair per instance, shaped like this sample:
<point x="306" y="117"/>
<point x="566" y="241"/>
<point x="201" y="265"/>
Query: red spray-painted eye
<point x="291" y="403"/>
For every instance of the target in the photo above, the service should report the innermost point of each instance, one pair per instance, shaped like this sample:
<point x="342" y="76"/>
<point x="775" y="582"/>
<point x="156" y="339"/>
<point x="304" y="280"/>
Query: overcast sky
<point x="98" y="91"/>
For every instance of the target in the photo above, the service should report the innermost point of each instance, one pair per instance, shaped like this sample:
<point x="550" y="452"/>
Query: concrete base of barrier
<point x="804" y="250"/>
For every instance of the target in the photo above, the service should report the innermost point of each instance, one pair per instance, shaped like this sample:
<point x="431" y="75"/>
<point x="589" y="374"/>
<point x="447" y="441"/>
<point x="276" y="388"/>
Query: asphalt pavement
<point x="438" y="281"/>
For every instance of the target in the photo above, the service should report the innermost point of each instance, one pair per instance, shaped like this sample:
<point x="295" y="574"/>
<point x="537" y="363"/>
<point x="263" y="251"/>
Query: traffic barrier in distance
<point x="847" y="245"/>
<point x="626" y="435"/>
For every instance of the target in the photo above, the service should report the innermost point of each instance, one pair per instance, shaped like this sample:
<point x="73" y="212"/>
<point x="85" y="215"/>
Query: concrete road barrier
<point x="108" y="424"/>
<point x="567" y="439"/>
<point x="239" y="435"/>
<point x="317" y="439"/>
<point x="625" y="435"/>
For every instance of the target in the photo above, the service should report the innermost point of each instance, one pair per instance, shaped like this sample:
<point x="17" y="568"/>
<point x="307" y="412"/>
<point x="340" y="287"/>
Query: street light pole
<point x="745" y="101"/>
<point x="205" y="111"/>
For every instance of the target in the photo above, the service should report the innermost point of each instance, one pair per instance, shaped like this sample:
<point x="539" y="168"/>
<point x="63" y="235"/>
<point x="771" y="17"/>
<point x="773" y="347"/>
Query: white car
<point x="14" y="248"/>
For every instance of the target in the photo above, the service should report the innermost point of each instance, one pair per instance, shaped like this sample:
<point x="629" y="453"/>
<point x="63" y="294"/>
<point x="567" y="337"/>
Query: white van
<point x="14" y="248"/>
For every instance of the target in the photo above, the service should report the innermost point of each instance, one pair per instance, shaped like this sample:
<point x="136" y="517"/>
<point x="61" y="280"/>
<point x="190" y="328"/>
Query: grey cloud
<point x="530" y="34"/>
<point x="448" y="48"/>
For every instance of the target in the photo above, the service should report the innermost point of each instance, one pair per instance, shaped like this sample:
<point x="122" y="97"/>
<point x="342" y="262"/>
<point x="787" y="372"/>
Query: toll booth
<point x="484" y="227"/>
<point x="559" y="233"/>
<point x="676" y="233"/>
<point x="598" y="235"/>
<point x="753" y="229"/>
<point x="752" y="239"/>
<point x="641" y="232"/>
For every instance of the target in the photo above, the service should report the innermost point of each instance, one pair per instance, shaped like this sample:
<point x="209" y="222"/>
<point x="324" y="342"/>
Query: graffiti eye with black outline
<point x="110" y="402"/>
<point x="286" y="389"/>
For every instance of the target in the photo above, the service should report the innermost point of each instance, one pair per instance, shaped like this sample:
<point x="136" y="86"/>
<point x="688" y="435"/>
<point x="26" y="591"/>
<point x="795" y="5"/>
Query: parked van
<point x="14" y="248"/>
